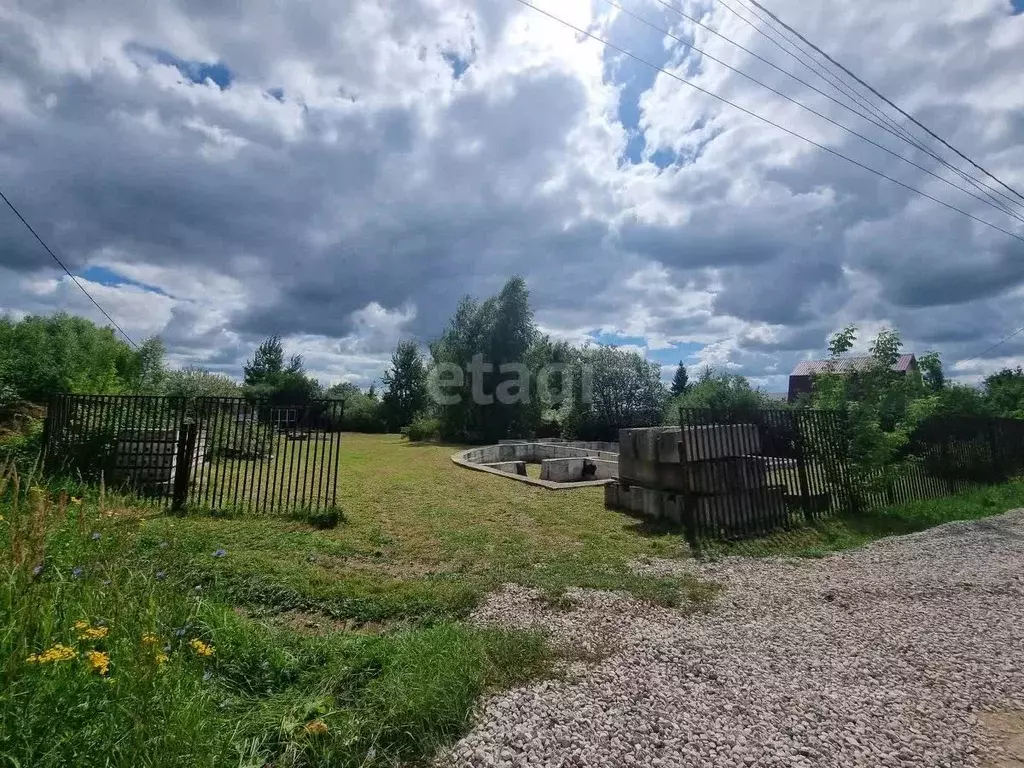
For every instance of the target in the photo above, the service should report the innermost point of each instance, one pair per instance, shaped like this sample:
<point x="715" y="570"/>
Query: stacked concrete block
<point x="710" y="475"/>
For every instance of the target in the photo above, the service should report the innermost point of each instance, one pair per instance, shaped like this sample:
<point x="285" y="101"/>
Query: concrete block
<point x="512" y="467"/>
<point x="627" y="443"/>
<point x="724" y="476"/>
<point x="653" y="503"/>
<point x="636" y="499"/>
<point x="611" y="496"/>
<point x="668" y="446"/>
<point x="667" y="477"/>
<point x="673" y="511"/>
<point x="576" y="470"/>
<point x="740" y="512"/>
<point x="716" y="441"/>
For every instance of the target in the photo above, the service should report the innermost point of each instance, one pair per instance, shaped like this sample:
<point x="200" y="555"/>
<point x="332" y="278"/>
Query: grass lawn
<point x="148" y="639"/>
<point x="848" y="531"/>
<point x="133" y="638"/>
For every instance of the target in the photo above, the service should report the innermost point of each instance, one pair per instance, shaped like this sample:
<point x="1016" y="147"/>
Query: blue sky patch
<point x="670" y="356"/>
<point x="196" y="71"/>
<point x="105" y="276"/>
<point x="1017" y="5"/>
<point x="276" y="93"/>
<point x="458" y="64"/>
<point x="634" y="78"/>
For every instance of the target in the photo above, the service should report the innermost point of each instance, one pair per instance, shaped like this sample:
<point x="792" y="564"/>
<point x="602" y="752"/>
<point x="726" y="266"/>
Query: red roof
<point x="845" y="364"/>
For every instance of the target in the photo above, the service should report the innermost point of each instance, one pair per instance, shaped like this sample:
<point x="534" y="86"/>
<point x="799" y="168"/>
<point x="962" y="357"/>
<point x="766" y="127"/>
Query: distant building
<point x="801" y="380"/>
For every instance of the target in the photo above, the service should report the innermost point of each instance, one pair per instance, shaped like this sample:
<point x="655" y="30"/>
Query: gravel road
<point x="882" y="656"/>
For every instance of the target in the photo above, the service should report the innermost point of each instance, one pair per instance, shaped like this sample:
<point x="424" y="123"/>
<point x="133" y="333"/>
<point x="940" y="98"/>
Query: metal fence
<point x="215" y="453"/>
<point x="755" y="472"/>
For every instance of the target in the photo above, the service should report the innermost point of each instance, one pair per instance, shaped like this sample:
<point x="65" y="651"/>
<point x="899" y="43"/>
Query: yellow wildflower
<point x="99" y="661"/>
<point x="201" y="648"/>
<point x="161" y="658"/>
<point x="93" y="633"/>
<point x="75" y="500"/>
<point x="1" y="518"/>
<point x="80" y="625"/>
<point x="150" y="639"/>
<point x="58" y="652"/>
<point x="316" y="728"/>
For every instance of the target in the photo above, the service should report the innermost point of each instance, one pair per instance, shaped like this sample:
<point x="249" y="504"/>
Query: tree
<point x="198" y="382"/>
<point x="267" y="376"/>
<point x="480" y="368"/>
<point x="718" y="391"/>
<point x="362" y="411"/>
<point x="267" y="361"/>
<point x="1004" y="392"/>
<point x="147" y="374"/>
<point x="613" y="389"/>
<point x="930" y="364"/>
<point x="42" y="356"/>
<point x="405" y="386"/>
<point x="680" y="382"/>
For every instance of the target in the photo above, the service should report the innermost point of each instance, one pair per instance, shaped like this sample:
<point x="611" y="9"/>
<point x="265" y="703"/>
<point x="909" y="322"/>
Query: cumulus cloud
<point x="342" y="175"/>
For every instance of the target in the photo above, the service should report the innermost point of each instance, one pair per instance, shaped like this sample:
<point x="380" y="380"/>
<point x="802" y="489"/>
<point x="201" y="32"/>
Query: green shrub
<point x="423" y="428"/>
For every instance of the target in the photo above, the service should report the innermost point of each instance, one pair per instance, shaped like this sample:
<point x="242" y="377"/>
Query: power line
<point x="836" y="82"/>
<point x="907" y="115"/>
<point x="61" y="263"/>
<point x="815" y="112"/>
<point x="996" y="345"/>
<point x="770" y="122"/>
<point x="889" y="125"/>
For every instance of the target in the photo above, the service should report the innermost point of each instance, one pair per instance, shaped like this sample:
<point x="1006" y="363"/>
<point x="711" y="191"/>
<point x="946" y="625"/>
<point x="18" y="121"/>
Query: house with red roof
<point x="801" y="380"/>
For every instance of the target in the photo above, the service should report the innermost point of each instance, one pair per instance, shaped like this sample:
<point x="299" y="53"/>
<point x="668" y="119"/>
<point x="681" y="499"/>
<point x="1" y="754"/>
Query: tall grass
<point x="110" y="657"/>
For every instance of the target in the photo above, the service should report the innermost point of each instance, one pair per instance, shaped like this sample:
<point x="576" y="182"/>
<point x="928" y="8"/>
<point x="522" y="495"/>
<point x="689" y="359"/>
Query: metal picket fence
<point x="215" y="453"/>
<point x="755" y="472"/>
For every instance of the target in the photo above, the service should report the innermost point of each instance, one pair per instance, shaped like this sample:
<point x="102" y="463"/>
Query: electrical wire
<point x="815" y="112"/>
<point x="62" y="266"/>
<point x="770" y="122"/>
<point x="905" y="114"/>
<point x="877" y="118"/>
<point x="998" y="344"/>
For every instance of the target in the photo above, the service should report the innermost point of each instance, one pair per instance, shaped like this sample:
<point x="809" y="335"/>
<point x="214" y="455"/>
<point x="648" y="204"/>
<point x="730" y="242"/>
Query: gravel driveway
<point x="882" y="656"/>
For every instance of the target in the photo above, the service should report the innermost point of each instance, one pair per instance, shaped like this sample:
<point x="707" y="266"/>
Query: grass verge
<point x="108" y="659"/>
<point x="849" y="531"/>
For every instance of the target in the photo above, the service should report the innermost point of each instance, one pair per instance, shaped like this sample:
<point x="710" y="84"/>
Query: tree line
<point x="491" y="374"/>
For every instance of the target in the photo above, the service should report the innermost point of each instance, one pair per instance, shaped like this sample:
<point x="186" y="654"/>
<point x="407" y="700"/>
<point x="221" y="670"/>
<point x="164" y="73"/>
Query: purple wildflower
<point x="76" y="572"/>
<point x="219" y="553"/>
<point x="95" y="536"/>
<point x="161" y="575"/>
<point x="37" y="570"/>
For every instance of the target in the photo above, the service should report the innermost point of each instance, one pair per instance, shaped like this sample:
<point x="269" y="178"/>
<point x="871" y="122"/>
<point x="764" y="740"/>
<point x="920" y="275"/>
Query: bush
<point x="423" y="428"/>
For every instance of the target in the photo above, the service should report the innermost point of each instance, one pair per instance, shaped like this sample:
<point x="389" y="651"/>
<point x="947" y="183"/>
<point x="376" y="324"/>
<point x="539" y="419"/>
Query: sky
<point x="342" y="174"/>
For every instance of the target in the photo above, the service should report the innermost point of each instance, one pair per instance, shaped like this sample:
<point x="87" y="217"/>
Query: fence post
<point x="183" y="465"/>
<point x="801" y="469"/>
<point x="687" y="514"/>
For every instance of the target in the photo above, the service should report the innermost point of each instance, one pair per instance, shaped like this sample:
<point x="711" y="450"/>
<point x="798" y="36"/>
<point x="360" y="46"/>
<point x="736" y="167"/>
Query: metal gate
<point x="212" y="453"/>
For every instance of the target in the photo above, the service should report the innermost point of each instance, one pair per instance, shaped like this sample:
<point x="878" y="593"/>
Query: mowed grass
<point x="849" y="531"/>
<point x="147" y="639"/>
<point x="423" y="539"/>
